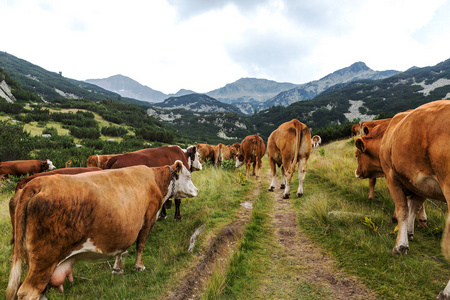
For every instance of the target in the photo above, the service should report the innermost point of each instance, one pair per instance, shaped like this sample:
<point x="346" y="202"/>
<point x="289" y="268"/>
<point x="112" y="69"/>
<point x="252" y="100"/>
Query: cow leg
<point x="414" y="205"/>
<point x="283" y="178"/>
<point x="247" y="165"/>
<point x="149" y="221"/>
<point x="254" y="165"/>
<point x="177" y="210"/>
<point x="401" y="210"/>
<point x="422" y="218"/>
<point x="35" y="284"/>
<point x="372" y="182"/>
<point x="273" y="169"/>
<point x="445" y="243"/>
<point x="301" y="175"/>
<point x="163" y="214"/>
<point x="445" y="294"/>
<point x="258" y="166"/>
<point x="118" y="269"/>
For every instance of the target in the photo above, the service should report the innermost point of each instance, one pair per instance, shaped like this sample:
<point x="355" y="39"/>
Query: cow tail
<point x="299" y="135"/>
<point x="20" y="228"/>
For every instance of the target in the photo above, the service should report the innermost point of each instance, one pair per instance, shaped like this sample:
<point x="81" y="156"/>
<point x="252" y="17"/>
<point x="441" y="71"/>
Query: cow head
<point x="183" y="184"/>
<point x="194" y="158"/>
<point x="47" y="165"/>
<point x="239" y="159"/>
<point x="367" y="155"/>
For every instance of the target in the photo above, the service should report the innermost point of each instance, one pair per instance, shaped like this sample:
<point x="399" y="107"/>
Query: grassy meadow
<point x="334" y="212"/>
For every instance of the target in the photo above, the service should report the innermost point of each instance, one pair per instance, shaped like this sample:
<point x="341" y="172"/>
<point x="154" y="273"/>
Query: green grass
<point x="258" y="268"/>
<point x="331" y="186"/>
<point x="165" y="256"/>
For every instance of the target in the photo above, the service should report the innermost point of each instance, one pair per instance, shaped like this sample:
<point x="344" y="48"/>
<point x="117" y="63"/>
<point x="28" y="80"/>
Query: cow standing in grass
<point x="24" y="167"/>
<point x="415" y="160"/>
<point x="155" y="157"/>
<point x="288" y="145"/>
<point x="251" y="151"/>
<point x="62" y="219"/>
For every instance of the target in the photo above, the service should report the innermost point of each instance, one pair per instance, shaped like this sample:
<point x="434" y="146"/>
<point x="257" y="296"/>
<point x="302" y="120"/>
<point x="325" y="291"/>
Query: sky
<point x="202" y="45"/>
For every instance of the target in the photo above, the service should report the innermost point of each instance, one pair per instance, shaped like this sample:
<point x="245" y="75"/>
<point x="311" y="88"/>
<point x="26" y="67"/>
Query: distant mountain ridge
<point x="197" y="103"/>
<point x="127" y="87"/>
<point x="249" y="95"/>
<point x="356" y="71"/>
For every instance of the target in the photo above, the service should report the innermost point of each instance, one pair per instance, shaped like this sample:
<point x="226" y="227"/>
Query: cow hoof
<point x="410" y="236"/>
<point x="257" y="177"/>
<point x="286" y="196"/>
<point x="422" y="224"/>
<point x="282" y="187"/>
<point x="400" y="250"/>
<point x="443" y="296"/>
<point x="117" y="271"/>
<point x="299" y="195"/>
<point x="178" y="219"/>
<point x="162" y="217"/>
<point x="271" y="189"/>
<point x="139" y="269"/>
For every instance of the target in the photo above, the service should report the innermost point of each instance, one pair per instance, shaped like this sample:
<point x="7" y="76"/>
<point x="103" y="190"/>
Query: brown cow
<point x="21" y="184"/>
<point x="355" y="129"/>
<point x="415" y="159"/>
<point x="206" y="152"/>
<point x="24" y="167"/>
<point x="369" y="165"/>
<point x="367" y="125"/>
<point x="316" y="141"/>
<point x="74" y="217"/>
<point x="251" y="150"/>
<point x="98" y="161"/>
<point x="287" y="145"/>
<point x="234" y="149"/>
<point x="155" y="157"/>
<point x="224" y="152"/>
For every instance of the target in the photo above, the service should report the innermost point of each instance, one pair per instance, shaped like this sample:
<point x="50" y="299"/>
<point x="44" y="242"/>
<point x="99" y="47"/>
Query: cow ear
<point x="366" y="130"/>
<point x="178" y="167"/>
<point x="359" y="143"/>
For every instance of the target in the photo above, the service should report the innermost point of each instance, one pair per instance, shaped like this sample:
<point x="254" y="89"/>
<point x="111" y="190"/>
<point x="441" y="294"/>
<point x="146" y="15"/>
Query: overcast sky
<point x="202" y="45"/>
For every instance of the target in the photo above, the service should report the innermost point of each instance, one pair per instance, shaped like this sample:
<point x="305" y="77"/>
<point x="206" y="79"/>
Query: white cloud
<point x="203" y="45"/>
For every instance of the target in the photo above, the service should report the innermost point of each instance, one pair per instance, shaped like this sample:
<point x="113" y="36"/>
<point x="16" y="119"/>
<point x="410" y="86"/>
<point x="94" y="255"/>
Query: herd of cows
<point x="73" y="212"/>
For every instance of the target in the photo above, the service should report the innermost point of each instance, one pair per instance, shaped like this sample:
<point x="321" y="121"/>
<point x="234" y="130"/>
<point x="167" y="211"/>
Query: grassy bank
<point x="166" y="255"/>
<point x="363" y="246"/>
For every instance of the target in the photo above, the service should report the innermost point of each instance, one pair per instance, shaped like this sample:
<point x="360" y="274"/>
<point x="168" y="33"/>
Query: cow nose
<point x="356" y="174"/>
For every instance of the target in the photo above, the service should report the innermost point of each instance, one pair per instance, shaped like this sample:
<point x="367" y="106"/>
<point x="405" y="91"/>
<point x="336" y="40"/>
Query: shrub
<point x="114" y="131"/>
<point x="85" y="133"/>
<point x="15" y="143"/>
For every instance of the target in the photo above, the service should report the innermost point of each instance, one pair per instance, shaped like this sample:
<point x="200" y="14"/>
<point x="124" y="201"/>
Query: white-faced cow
<point x="251" y="151"/>
<point x="288" y="145"/>
<point x="155" y="157"/>
<point x="61" y="219"/>
<point x="24" y="167"/>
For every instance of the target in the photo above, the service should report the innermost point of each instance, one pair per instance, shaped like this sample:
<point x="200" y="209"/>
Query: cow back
<point x="151" y="157"/>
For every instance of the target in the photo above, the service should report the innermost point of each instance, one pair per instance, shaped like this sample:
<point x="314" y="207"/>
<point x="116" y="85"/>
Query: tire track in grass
<point x="217" y="256"/>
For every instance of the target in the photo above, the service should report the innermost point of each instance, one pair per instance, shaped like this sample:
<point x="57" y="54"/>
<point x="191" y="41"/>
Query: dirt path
<point x="292" y="252"/>
<point x="314" y="266"/>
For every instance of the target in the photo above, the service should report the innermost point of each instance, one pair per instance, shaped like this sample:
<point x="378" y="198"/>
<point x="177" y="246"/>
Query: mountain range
<point x="348" y="95"/>
<point x="249" y="95"/>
